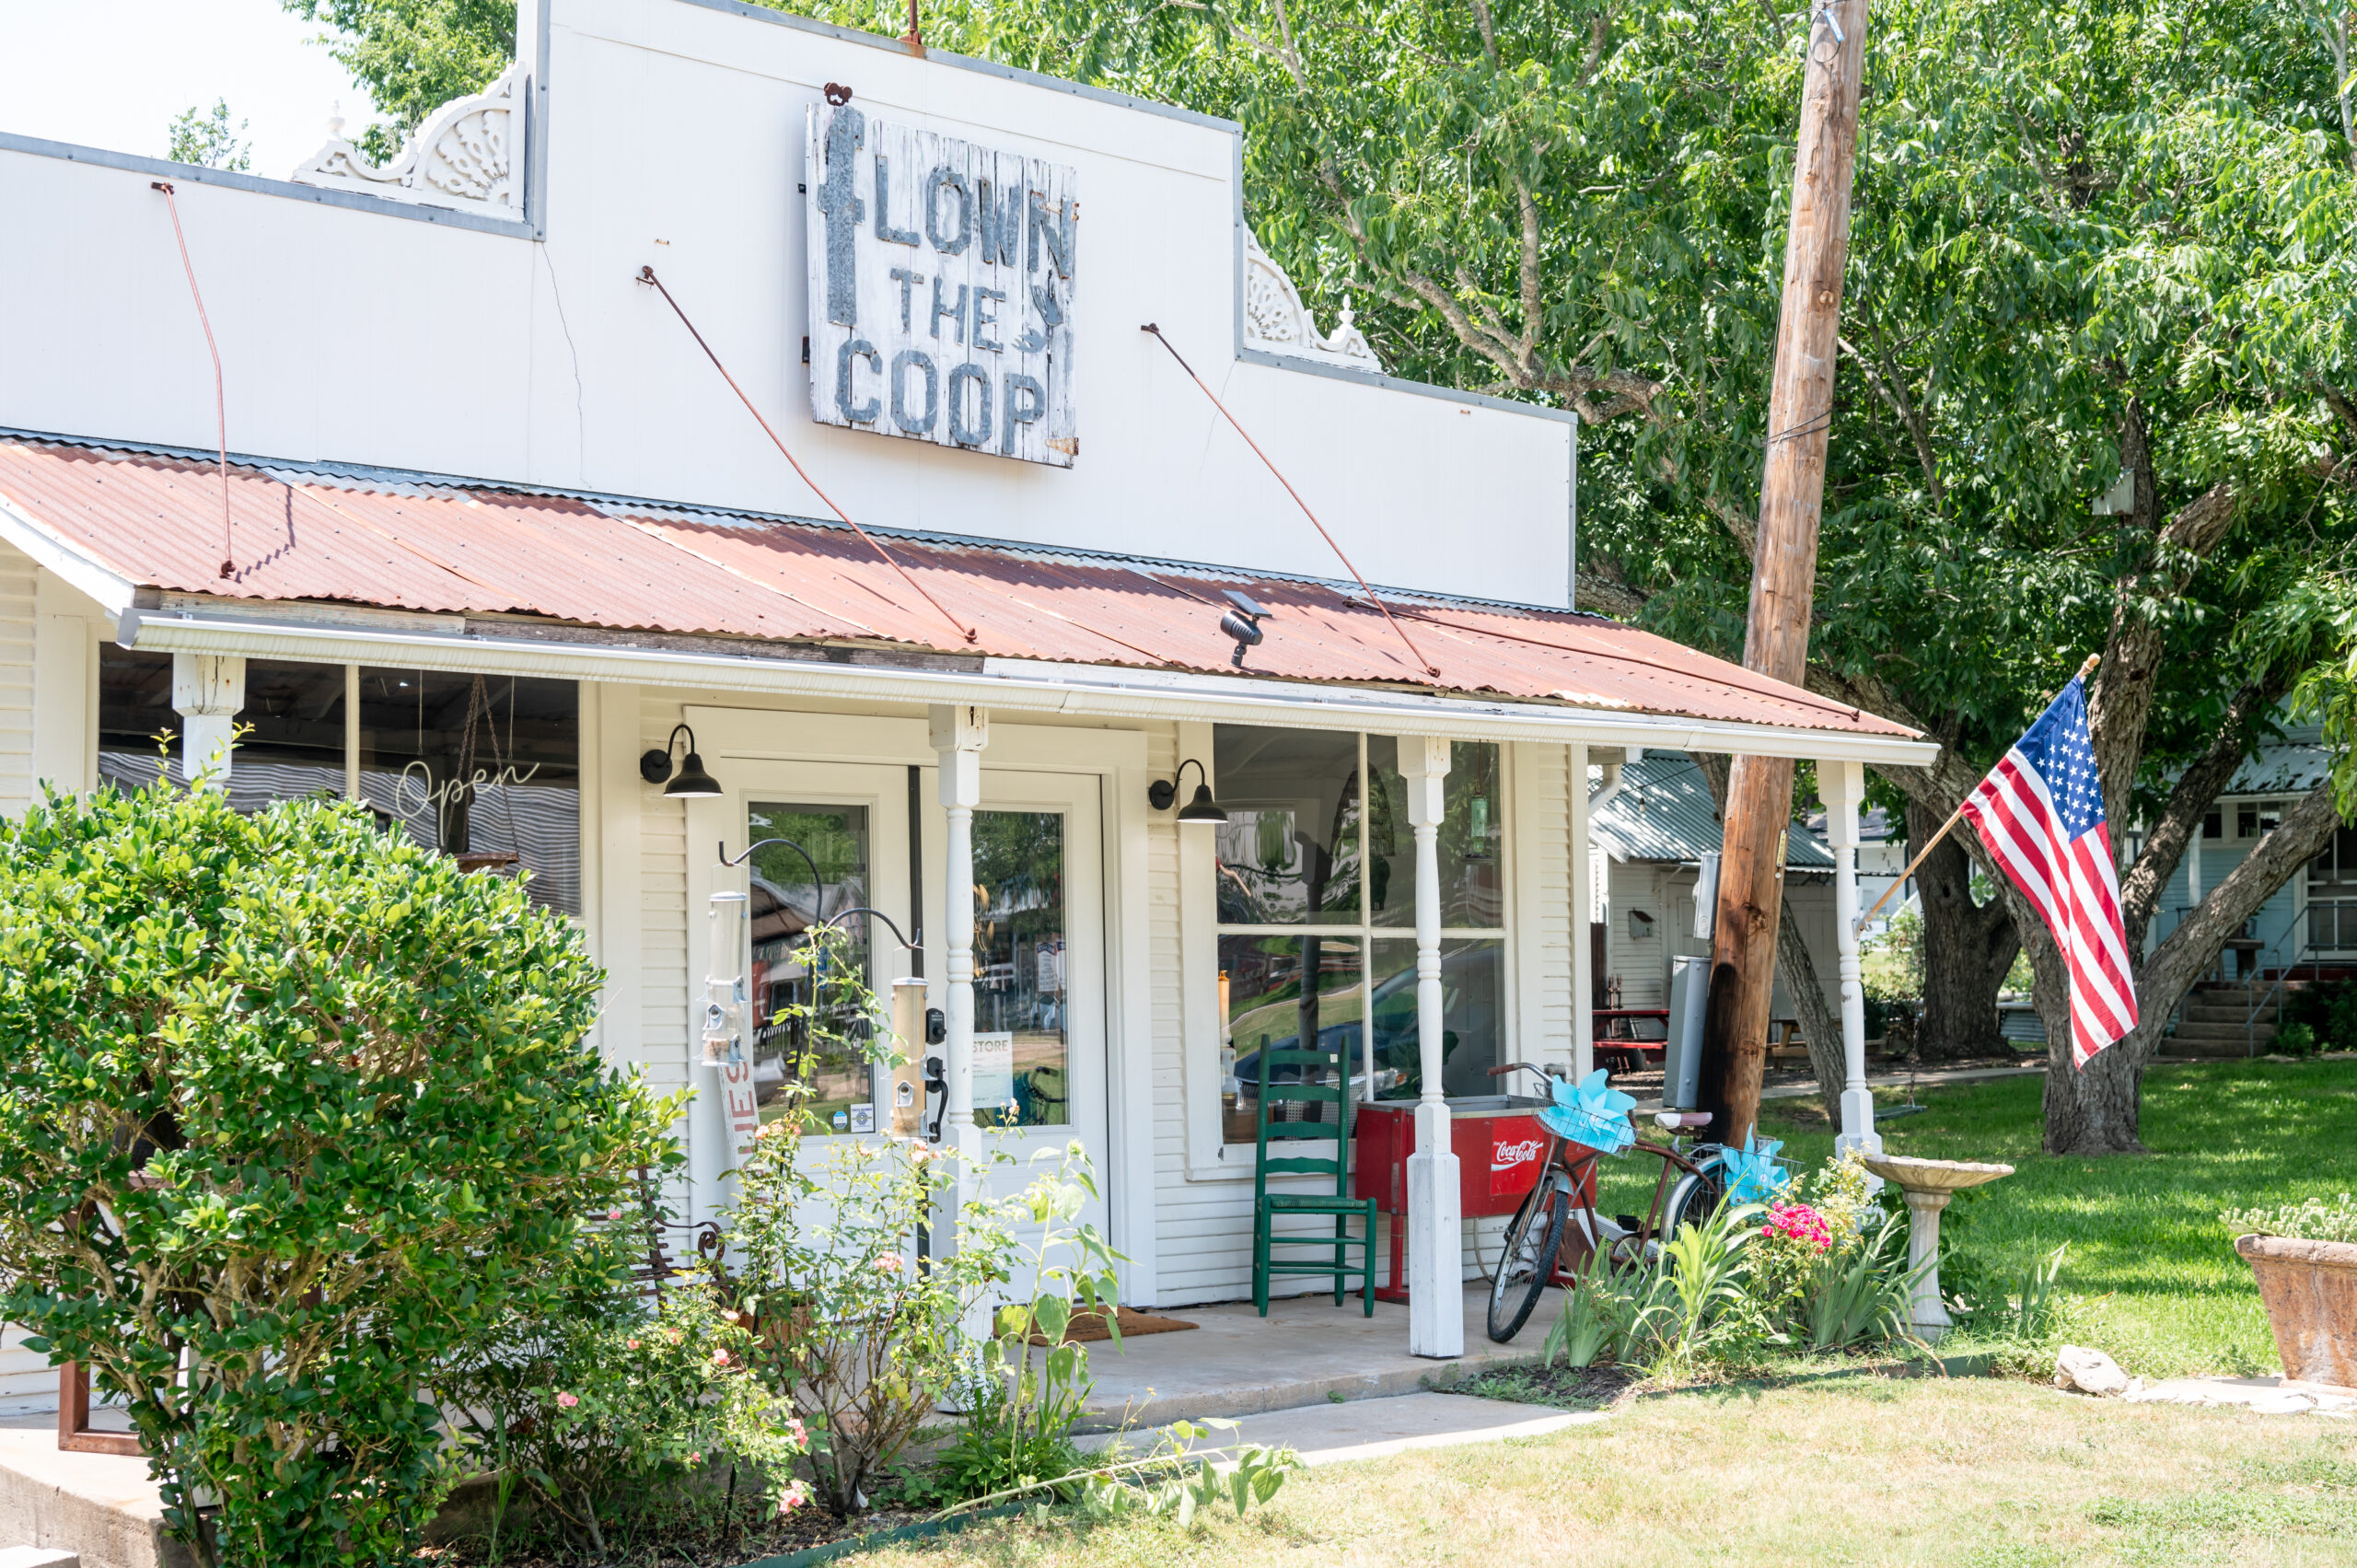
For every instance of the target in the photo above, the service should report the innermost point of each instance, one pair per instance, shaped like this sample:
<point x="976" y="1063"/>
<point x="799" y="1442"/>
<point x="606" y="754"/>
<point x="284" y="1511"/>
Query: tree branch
<point x="1887" y="385"/>
<point x="2197" y="789"/>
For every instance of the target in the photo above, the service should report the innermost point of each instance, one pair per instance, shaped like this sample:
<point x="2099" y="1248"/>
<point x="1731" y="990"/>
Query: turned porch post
<point x="1435" y="1225"/>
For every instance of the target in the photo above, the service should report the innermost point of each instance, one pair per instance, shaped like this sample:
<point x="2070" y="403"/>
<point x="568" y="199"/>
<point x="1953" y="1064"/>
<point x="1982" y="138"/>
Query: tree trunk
<point x="1819" y="1023"/>
<point x="1968" y="947"/>
<point x="2095" y="1111"/>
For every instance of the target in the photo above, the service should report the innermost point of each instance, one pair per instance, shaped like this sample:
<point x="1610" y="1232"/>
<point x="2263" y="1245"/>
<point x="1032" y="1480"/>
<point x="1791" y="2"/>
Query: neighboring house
<point x="1653" y="819"/>
<point x="2313" y="917"/>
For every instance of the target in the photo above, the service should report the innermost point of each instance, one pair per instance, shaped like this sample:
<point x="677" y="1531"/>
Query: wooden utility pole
<point x="1783" y="572"/>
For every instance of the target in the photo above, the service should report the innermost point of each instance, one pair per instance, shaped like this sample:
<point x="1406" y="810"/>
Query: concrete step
<point x="2209" y="1050"/>
<point x="2233" y="1035"/>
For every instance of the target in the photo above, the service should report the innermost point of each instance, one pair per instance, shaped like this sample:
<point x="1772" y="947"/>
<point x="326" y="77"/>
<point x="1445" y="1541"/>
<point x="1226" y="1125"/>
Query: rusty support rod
<point x="220" y="403"/>
<point x="646" y="275"/>
<point x="1425" y="665"/>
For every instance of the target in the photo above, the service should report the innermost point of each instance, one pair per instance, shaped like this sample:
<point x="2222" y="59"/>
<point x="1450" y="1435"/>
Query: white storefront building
<point x="496" y="528"/>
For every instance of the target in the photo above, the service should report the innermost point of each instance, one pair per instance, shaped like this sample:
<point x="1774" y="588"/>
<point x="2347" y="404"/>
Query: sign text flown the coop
<point x="941" y="288"/>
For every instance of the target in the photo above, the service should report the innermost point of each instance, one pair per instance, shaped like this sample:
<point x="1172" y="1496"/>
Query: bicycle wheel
<point x="1694" y="1200"/>
<point x="1527" y="1262"/>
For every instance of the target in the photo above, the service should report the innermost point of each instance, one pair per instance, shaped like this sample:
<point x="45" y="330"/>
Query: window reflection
<point x="295" y="748"/>
<point x="485" y="768"/>
<point x="1473" y="888"/>
<point x="1288" y="853"/>
<point x="1278" y="992"/>
<point x="1021" y="1055"/>
<point x="831" y="1069"/>
<point x="1472" y="1010"/>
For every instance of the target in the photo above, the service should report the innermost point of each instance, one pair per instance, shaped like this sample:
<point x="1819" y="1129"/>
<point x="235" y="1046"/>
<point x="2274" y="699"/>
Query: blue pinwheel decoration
<point x="1752" y="1174"/>
<point x="1592" y="1113"/>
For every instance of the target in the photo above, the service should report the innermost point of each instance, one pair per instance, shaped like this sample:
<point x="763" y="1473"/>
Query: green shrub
<point x="608" y="1414"/>
<point x="292" y="1106"/>
<point x="2295" y="1039"/>
<point x="2328" y="1010"/>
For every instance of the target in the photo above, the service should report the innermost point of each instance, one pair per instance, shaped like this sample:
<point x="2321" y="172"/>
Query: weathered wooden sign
<point x="941" y="288"/>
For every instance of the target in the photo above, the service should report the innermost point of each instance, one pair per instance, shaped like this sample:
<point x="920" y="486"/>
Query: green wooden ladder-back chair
<point x="1330" y="1254"/>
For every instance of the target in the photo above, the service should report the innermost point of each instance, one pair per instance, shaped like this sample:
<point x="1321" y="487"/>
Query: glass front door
<point x="1040" y="1072"/>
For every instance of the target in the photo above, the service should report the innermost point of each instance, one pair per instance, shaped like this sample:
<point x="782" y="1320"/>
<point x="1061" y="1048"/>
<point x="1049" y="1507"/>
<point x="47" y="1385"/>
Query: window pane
<point x="476" y="765"/>
<point x="1472" y="992"/>
<point x="1021" y="1051"/>
<point x="1471" y="839"/>
<point x="1269" y="1007"/>
<point x="296" y="711"/>
<point x="833" y="1071"/>
<point x="1288" y="853"/>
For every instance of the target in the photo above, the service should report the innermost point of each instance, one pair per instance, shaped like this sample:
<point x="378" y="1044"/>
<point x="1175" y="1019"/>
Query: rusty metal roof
<point x="424" y="542"/>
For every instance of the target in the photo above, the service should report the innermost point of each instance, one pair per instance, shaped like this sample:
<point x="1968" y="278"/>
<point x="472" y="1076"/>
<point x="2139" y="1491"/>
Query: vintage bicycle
<point x="1557" y="1229"/>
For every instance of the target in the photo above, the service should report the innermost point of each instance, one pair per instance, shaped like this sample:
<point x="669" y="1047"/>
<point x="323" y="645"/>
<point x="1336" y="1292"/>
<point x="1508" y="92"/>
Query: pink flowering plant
<point x="617" y="1417"/>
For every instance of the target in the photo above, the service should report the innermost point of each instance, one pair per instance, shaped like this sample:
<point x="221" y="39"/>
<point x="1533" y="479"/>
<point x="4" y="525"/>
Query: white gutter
<point x="112" y="590"/>
<point x="1011" y="685"/>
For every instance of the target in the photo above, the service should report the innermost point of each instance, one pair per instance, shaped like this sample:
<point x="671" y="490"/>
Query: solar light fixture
<point x="1243" y="623"/>
<point x="1202" y="809"/>
<point x="690" y="783"/>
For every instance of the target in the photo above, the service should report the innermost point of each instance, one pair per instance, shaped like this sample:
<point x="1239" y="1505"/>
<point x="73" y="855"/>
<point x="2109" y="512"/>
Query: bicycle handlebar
<point x="1521" y="1068"/>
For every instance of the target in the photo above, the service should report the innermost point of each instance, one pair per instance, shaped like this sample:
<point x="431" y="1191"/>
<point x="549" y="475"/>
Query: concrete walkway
<point x="2262" y="1396"/>
<point x="1372" y="1429"/>
<point x="1236" y="1362"/>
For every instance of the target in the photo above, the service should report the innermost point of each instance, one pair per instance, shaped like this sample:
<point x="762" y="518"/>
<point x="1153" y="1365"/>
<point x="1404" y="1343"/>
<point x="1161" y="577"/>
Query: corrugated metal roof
<point x="426" y="542"/>
<point x="2292" y="767"/>
<point x="1663" y="811"/>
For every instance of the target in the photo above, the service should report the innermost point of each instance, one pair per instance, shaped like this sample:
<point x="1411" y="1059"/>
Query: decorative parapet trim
<point x="1276" y="322"/>
<point x="463" y="158"/>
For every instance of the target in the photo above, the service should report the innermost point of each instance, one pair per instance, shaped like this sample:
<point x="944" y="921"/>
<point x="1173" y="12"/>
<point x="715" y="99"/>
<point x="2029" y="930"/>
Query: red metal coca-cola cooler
<point x="1498" y="1142"/>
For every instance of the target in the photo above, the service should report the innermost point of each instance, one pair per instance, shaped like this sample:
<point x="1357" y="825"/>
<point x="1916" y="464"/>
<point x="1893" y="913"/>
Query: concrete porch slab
<point x="1236" y="1362"/>
<point x="1370" y="1429"/>
<point x="2262" y="1396"/>
<point x="100" y="1505"/>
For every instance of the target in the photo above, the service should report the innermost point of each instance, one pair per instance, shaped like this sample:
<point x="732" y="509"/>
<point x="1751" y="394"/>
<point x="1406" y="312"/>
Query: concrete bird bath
<point x="1929" y="1184"/>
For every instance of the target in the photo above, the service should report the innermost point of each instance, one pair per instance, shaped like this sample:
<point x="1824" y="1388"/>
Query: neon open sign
<point x="941" y="288"/>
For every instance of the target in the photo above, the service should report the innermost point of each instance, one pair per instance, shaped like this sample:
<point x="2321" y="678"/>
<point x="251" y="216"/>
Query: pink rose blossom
<point x="720" y="1358"/>
<point x="613" y="1214"/>
<point x="888" y="1264"/>
<point x="567" y="1400"/>
<point x="633" y="1343"/>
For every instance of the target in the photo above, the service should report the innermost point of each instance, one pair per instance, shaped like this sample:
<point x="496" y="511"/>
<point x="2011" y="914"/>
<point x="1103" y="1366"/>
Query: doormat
<point x="1086" y="1327"/>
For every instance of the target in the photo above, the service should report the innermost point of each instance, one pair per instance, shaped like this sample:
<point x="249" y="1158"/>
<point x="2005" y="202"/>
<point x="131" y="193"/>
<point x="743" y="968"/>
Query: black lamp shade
<point x="1203" y="809"/>
<point x="692" y="782"/>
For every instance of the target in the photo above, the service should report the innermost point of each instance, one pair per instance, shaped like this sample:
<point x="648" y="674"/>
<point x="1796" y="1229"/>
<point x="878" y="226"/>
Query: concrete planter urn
<point x="2310" y="1288"/>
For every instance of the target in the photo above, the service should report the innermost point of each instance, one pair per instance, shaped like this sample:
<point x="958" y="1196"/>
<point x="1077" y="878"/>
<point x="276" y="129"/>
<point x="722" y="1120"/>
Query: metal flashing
<point x="1391" y="383"/>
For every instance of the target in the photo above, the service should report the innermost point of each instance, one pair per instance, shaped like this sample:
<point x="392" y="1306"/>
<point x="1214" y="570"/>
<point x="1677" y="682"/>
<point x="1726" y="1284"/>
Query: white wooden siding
<point x="16" y="624"/>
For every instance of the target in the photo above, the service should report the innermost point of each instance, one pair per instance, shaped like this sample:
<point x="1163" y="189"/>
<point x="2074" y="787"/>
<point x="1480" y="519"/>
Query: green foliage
<point x="296" y="1106"/>
<point x="2328" y="1012"/>
<point x="1862" y="1292"/>
<point x="413" y="56"/>
<point x="207" y="139"/>
<point x="2295" y="1039"/>
<point x="2314" y="1220"/>
<point x="604" y="1410"/>
<point x="1020" y="1408"/>
<point x="1890" y="962"/>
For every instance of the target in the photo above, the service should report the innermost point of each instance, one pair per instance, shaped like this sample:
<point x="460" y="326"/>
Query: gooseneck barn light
<point x="690" y="783"/>
<point x="1202" y="809"/>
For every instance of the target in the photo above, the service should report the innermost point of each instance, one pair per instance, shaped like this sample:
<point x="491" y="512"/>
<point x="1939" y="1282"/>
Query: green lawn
<point x="2154" y="1280"/>
<point x="1831" y="1472"/>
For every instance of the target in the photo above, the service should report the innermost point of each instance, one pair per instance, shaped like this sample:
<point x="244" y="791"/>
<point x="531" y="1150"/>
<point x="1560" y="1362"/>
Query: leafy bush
<point x="292" y="1106"/>
<point x="2295" y="1039"/>
<point x="1859" y="1291"/>
<point x="2329" y="1011"/>
<point x="604" y="1411"/>
<point x="1015" y="1431"/>
<point x="2314" y="1220"/>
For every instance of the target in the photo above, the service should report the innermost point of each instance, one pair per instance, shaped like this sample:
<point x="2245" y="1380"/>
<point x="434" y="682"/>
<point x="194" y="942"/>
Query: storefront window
<point x="1318" y="839"/>
<point x="833" y="1073"/>
<point x="1021" y="1047"/>
<point x="486" y="768"/>
<point x="294" y="748"/>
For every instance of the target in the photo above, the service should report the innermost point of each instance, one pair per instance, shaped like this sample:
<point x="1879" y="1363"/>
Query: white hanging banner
<point x="941" y="288"/>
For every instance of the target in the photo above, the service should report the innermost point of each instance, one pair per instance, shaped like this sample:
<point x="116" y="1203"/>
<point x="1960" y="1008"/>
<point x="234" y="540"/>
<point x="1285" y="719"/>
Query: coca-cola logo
<point x="1506" y="1157"/>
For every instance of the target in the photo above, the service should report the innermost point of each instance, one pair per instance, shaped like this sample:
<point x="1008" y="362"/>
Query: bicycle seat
<point x="1677" y="1119"/>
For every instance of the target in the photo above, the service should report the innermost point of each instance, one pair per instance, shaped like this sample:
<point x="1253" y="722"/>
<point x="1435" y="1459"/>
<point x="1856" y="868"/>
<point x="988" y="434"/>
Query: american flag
<point x="2040" y="812"/>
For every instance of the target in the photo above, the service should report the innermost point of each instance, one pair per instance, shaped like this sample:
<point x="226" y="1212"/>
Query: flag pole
<point x="1946" y="828"/>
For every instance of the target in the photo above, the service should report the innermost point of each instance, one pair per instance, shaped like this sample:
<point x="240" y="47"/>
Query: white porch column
<point x="960" y="733"/>
<point x="1583" y="917"/>
<point x="1843" y="785"/>
<point x="1436" y="1220"/>
<point x="207" y="691"/>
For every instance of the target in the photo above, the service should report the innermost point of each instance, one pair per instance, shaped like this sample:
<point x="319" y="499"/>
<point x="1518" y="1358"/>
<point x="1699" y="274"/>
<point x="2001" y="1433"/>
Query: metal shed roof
<point x="1662" y="810"/>
<point x="327" y="534"/>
